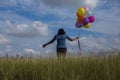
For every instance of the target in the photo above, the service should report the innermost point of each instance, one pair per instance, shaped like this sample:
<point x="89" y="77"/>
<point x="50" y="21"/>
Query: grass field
<point x="79" y="68"/>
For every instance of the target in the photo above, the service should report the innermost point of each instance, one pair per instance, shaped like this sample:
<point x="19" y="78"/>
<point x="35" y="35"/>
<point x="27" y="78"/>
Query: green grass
<point x="80" y="68"/>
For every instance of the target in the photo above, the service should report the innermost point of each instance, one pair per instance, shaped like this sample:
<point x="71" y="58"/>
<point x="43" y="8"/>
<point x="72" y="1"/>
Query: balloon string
<point x="79" y="43"/>
<point x="79" y="46"/>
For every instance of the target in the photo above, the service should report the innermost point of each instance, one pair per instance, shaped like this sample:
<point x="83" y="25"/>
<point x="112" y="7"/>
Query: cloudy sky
<point x="25" y="25"/>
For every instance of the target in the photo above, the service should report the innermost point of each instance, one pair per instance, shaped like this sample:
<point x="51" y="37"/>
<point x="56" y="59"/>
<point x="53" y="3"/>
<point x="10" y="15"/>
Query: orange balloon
<point x="79" y="18"/>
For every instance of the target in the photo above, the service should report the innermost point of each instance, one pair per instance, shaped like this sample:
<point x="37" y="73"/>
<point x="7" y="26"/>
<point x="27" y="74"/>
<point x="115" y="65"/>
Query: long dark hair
<point x="61" y="31"/>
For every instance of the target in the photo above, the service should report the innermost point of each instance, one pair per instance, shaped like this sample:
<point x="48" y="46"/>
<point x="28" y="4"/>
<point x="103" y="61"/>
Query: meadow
<point x="70" y="68"/>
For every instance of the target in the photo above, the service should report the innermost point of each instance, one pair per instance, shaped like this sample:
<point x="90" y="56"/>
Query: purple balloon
<point x="78" y="25"/>
<point x="85" y="21"/>
<point x="91" y="19"/>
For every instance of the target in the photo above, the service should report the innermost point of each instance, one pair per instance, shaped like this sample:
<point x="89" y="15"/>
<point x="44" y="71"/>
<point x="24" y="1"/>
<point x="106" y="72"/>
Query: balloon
<point x="85" y="21"/>
<point x="87" y="26"/>
<point x="81" y="11"/>
<point x="78" y="25"/>
<point x="79" y="18"/>
<point x="84" y="17"/>
<point x="86" y="8"/>
<point x="88" y="13"/>
<point x="91" y="19"/>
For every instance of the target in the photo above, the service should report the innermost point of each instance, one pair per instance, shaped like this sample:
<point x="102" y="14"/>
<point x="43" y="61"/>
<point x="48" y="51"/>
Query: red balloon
<point x="91" y="19"/>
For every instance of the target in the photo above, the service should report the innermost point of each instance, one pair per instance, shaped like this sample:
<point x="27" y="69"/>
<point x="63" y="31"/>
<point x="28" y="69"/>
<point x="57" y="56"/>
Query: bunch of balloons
<point x="84" y="17"/>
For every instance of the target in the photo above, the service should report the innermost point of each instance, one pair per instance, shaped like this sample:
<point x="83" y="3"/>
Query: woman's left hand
<point x="44" y="45"/>
<point x="77" y="37"/>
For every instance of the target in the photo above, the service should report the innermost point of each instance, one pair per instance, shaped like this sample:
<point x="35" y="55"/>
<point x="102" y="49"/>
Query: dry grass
<point x="80" y="68"/>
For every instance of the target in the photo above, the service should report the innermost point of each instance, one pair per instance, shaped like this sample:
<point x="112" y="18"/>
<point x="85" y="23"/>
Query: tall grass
<point x="80" y="68"/>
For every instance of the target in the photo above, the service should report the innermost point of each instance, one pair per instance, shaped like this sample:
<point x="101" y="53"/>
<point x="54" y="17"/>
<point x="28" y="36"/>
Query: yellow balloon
<point x="87" y="26"/>
<point x="81" y="11"/>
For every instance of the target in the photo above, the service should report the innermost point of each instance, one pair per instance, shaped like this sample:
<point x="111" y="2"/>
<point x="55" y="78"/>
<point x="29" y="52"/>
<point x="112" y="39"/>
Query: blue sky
<point x="25" y="25"/>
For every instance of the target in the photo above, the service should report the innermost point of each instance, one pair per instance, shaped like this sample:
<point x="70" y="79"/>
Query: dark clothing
<point x="61" y="52"/>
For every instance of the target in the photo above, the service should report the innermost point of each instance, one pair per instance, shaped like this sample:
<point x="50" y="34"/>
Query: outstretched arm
<point x="50" y="42"/>
<point x="73" y="38"/>
<point x="76" y="38"/>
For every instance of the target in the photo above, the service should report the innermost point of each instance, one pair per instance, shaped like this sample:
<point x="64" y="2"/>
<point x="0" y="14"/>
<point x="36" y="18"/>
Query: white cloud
<point x="7" y="3"/>
<point x="106" y="21"/>
<point x="33" y="29"/>
<point x="8" y="49"/>
<point x="117" y="33"/>
<point x="91" y="3"/>
<point x="71" y="3"/>
<point x="26" y="2"/>
<point x="60" y="8"/>
<point x="13" y="3"/>
<point x="30" y="51"/>
<point x="11" y="16"/>
<point x="54" y="3"/>
<point x="73" y="43"/>
<point x="117" y="40"/>
<point x="3" y="40"/>
<point x="91" y="43"/>
<point x="8" y="23"/>
<point x="41" y="27"/>
<point x="33" y="53"/>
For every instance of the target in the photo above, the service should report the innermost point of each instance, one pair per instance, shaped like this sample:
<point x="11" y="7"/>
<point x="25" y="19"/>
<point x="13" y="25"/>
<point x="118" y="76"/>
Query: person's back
<point x="61" y="42"/>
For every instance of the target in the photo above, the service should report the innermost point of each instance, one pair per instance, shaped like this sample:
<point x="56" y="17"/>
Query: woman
<point x="61" y="37"/>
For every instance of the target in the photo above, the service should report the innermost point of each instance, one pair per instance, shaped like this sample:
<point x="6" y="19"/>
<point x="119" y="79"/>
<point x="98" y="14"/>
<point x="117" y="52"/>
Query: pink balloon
<point x="91" y="19"/>
<point x="86" y="8"/>
<point x="78" y="25"/>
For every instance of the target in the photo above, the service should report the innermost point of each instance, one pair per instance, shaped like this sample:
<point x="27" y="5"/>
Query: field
<point x="74" y="68"/>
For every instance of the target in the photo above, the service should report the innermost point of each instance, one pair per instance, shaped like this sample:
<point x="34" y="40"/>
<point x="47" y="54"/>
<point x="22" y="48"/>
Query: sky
<point x="25" y="25"/>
